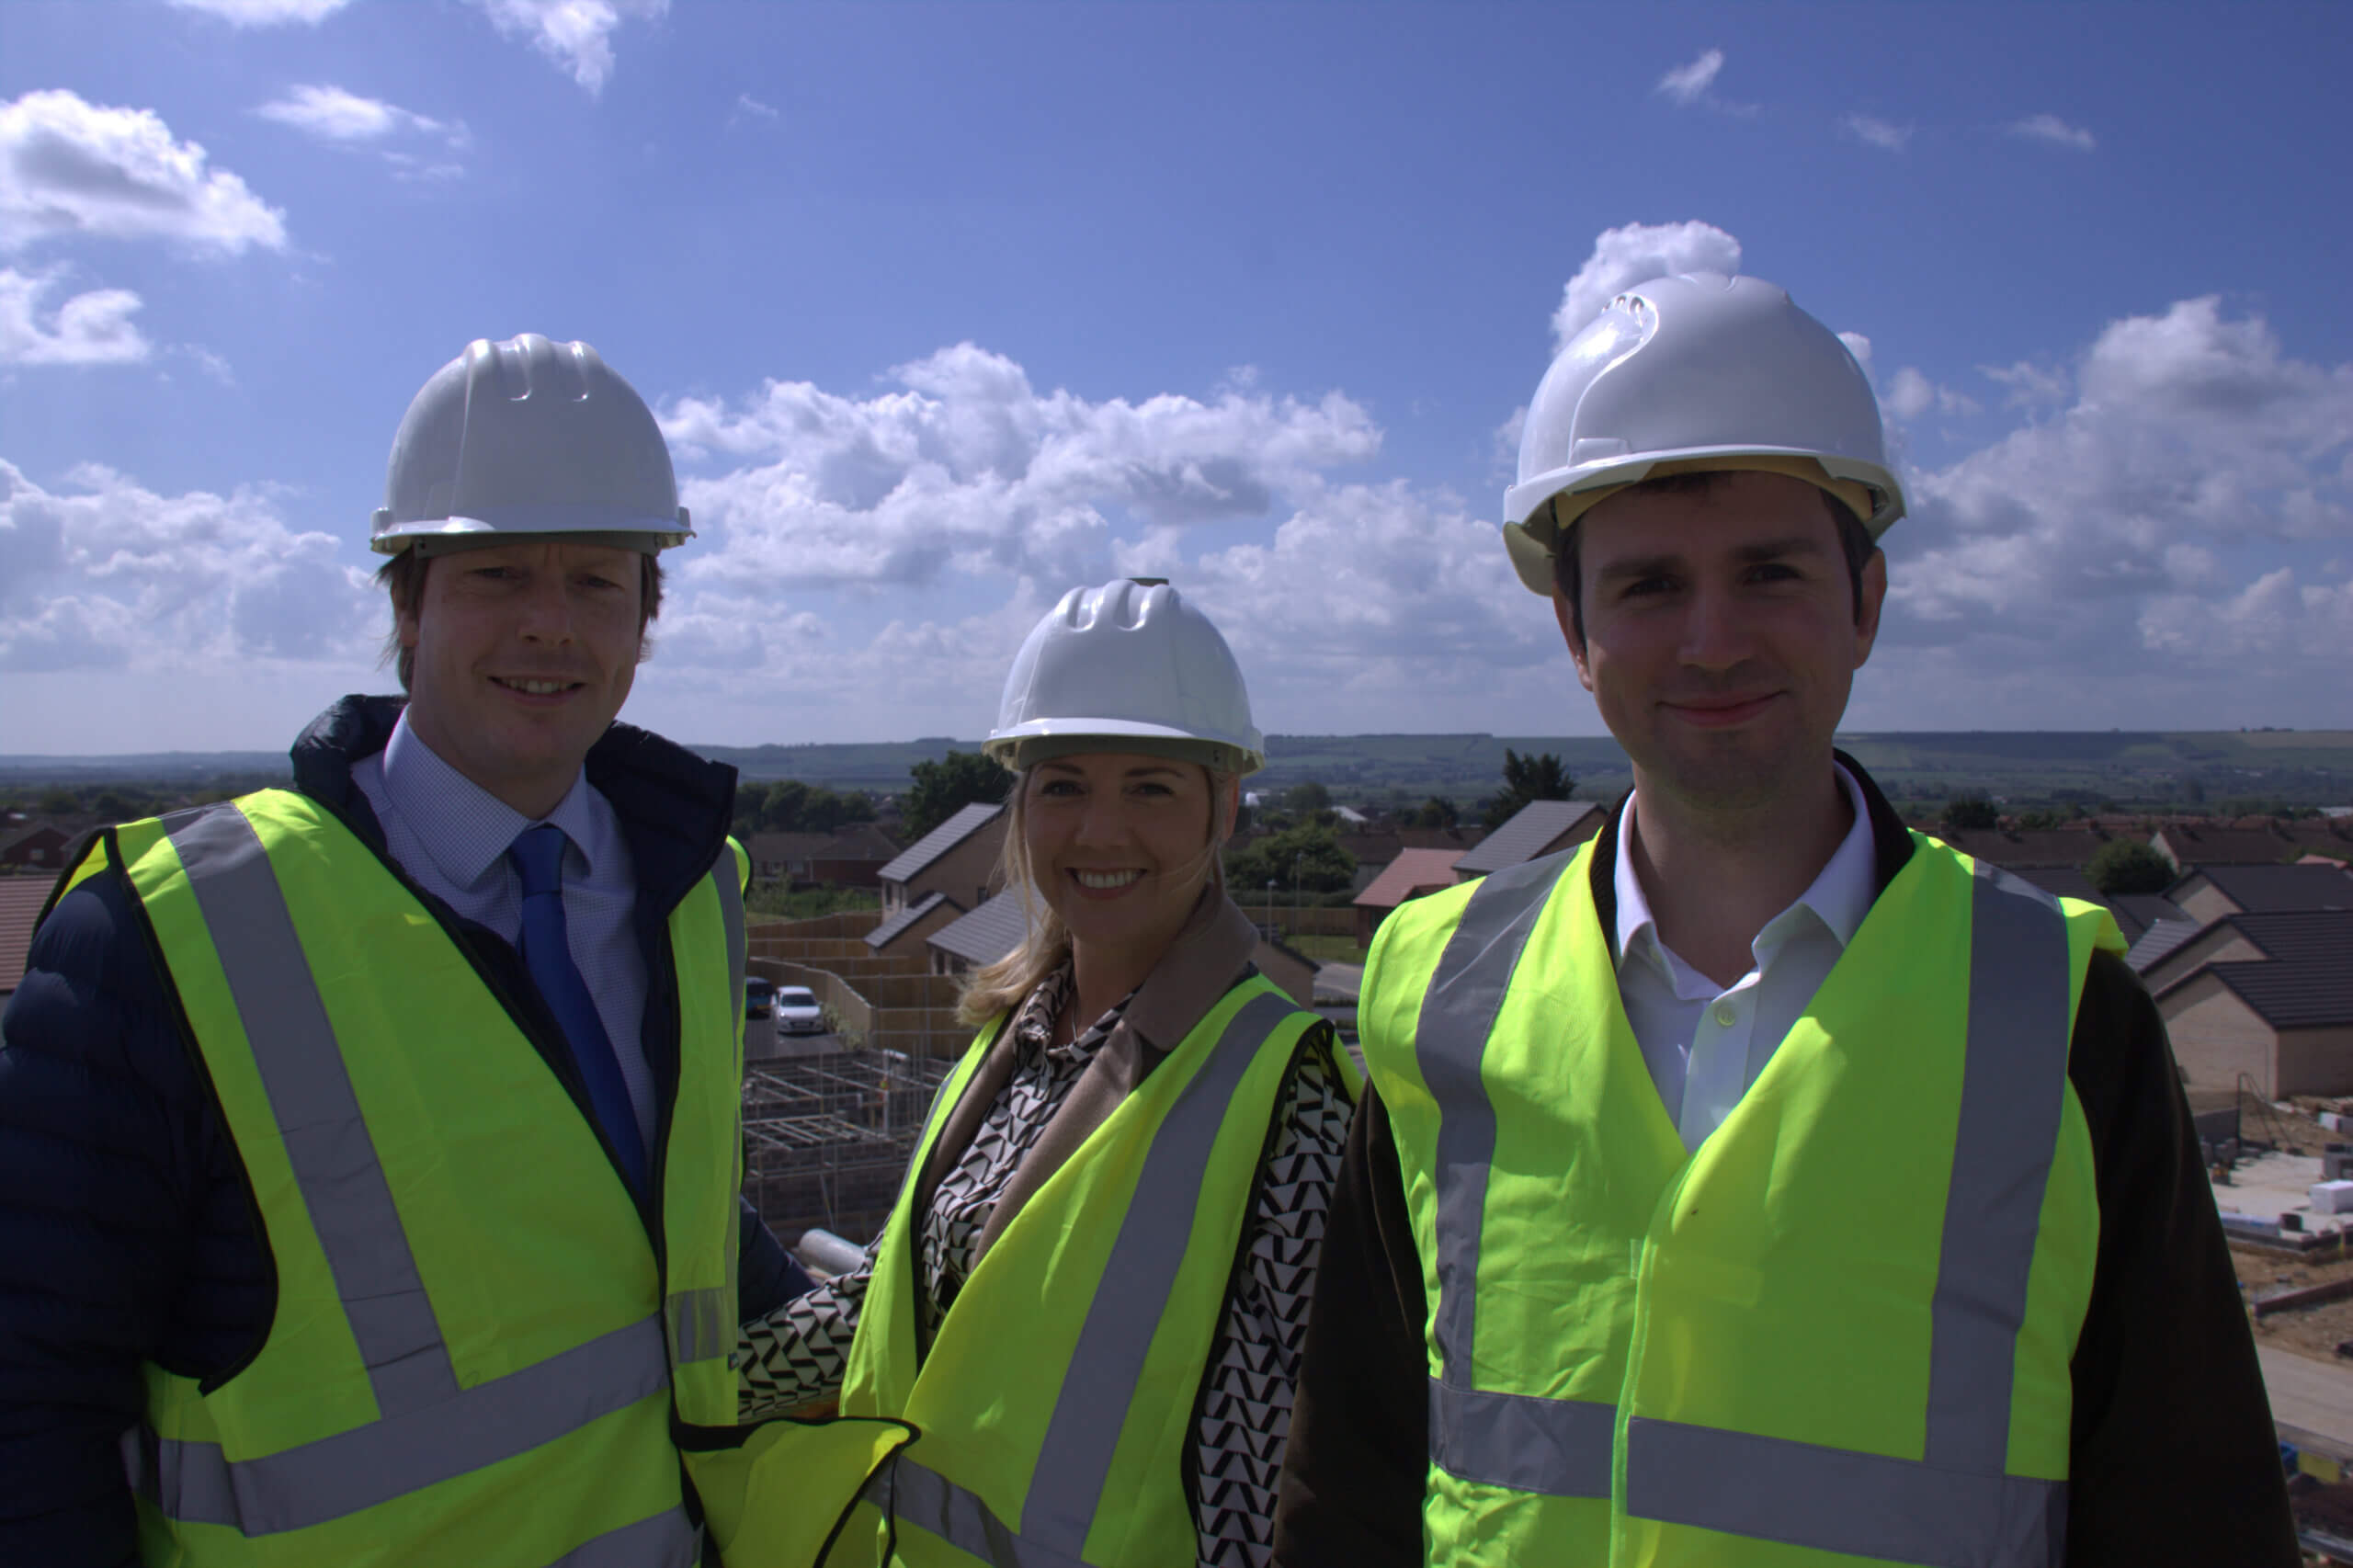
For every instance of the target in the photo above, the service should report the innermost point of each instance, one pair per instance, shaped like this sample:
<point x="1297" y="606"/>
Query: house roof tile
<point x="1411" y="869"/>
<point x="986" y="933"/>
<point x="20" y="904"/>
<point x="2260" y="888"/>
<point x="1532" y="830"/>
<point x="912" y="863"/>
<point x="883" y="935"/>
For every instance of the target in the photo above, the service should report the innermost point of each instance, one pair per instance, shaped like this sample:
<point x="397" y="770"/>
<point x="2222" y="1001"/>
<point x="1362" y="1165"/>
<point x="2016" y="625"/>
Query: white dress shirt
<point x="1705" y="1045"/>
<point x="452" y="836"/>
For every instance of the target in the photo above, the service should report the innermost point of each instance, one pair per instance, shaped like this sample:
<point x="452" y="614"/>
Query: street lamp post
<point x="1270" y="909"/>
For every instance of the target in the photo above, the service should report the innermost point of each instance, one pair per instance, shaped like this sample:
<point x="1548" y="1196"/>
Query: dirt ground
<point x="2307" y="1331"/>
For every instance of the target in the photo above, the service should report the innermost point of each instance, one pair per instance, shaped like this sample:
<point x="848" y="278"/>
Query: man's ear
<point x="1868" y="608"/>
<point x="1567" y="615"/>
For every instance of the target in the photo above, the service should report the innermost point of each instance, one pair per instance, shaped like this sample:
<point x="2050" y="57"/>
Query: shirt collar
<point x="1840" y="895"/>
<point x="464" y="827"/>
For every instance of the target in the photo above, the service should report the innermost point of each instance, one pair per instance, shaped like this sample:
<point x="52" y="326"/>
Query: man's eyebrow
<point x="1632" y="566"/>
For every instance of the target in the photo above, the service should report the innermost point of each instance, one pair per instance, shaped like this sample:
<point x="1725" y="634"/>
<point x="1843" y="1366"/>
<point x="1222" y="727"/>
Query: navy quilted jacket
<point x="127" y="1231"/>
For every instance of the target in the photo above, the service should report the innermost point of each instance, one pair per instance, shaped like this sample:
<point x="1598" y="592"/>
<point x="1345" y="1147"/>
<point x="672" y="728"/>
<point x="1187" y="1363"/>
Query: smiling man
<point x="369" y="1151"/>
<point x="1762" y="1183"/>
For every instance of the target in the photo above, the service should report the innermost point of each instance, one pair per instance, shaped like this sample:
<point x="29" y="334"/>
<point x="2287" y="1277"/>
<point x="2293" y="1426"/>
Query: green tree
<point x="944" y="787"/>
<point x="1308" y="855"/>
<point x="1437" y="812"/>
<point x="1306" y="800"/>
<point x="2128" y="866"/>
<point x="1539" y="775"/>
<point x="1970" y="813"/>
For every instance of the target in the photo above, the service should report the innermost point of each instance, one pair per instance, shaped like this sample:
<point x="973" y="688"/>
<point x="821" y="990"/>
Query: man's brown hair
<point x="403" y="577"/>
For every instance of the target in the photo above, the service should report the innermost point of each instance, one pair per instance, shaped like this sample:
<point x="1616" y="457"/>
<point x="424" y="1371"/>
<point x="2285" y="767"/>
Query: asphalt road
<point x="762" y="1043"/>
<point x="2313" y="1396"/>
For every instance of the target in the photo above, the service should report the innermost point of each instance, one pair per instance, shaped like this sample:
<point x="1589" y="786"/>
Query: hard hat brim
<point x="1532" y="524"/>
<point x="1025" y="745"/>
<point x="647" y="534"/>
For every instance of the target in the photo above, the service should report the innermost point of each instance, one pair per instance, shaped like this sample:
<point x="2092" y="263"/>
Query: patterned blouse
<point x="796" y="1355"/>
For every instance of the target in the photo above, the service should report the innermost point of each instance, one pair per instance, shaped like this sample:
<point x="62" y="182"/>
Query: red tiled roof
<point x="1413" y="870"/>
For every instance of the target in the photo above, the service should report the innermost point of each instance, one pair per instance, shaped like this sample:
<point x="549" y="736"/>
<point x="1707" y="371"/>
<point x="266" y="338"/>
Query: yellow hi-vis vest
<point x="478" y="1352"/>
<point x="1057" y="1401"/>
<point x="1838" y="1332"/>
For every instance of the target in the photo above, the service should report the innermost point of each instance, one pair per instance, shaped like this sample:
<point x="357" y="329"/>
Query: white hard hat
<point x="1128" y="666"/>
<point x="529" y="436"/>
<point x="1681" y="374"/>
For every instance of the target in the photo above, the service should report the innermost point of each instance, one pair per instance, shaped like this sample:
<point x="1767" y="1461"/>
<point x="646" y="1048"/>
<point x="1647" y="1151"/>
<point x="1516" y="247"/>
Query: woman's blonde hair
<point x="1001" y="987"/>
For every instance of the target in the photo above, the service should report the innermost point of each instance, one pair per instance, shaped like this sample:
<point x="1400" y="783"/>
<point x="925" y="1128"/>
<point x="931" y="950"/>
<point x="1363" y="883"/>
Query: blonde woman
<point x="1090" y="1297"/>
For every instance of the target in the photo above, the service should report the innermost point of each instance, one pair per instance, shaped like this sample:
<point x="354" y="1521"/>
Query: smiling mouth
<point x="1710" y="712"/>
<point x="1106" y="881"/>
<point x="529" y="688"/>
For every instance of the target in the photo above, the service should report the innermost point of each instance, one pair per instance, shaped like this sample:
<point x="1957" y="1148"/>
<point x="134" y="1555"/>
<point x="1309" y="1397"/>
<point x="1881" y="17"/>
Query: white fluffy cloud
<point x="2051" y="129"/>
<point x="333" y="114"/>
<point x="1911" y="394"/>
<point x="91" y="328"/>
<point x="2100" y="537"/>
<point x="1883" y="134"/>
<point x="107" y="575"/>
<point x="1688" y="84"/>
<point x="264" y="13"/>
<point x="71" y="168"/>
<point x="1636" y="253"/>
<point x="969" y="468"/>
<point x="576" y="34"/>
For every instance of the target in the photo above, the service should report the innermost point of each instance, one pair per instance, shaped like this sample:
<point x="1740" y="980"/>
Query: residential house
<point x="959" y="858"/>
<point x="1413" y="873"/>
<point x="854" y="857"/>
<point x="2266" y="999"/>
<point x="910" y="930"/>
<point x="36" y="847"/>
<point x="979" y="938"/>
<point x="21" y="899"/>
<point x="1536" y="829"/>
<point x="2205" y="894"/>
<point x="783" y="857"/>
<point x="2190" y="845"/>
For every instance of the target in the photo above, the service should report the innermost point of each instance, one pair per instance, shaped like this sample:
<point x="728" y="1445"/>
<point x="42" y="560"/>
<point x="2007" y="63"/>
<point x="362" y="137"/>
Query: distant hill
<point x="2301" y="766"/>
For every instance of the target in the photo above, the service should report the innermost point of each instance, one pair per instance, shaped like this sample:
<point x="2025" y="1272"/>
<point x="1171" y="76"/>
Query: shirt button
<point x="1726" y="1018"/>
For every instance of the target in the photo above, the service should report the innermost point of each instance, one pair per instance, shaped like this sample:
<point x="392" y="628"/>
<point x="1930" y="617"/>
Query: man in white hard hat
<point x="1761" y="1182"/>
<point x="371" y="1146"/>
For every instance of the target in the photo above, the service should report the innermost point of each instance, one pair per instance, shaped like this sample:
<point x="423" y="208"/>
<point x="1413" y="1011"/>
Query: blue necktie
<point x="538" y="854"/>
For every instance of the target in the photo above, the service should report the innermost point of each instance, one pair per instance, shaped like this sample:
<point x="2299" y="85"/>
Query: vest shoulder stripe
<point x="668" y="1539"/>
<point x="310" y="1097"/>
<point x="2013" y="1079"/>
<point x="384" y="1459"/>
<point x="1835" y="1500"/>
<point x="726" y="880"/>
<point x="1557" y="1447"/>
<point x="912" y="1492"/>
<point x="1138" y="1277"/>
<point x="1466" y="991"/>
<point x="702" y="1322"/>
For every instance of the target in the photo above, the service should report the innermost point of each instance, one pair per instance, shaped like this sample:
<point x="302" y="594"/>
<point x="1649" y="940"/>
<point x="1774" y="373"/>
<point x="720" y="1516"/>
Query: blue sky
<point x="948" y="307"/>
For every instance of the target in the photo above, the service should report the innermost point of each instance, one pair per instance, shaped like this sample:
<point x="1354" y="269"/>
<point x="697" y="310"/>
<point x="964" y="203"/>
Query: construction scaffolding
<point x="826" y="1138"/>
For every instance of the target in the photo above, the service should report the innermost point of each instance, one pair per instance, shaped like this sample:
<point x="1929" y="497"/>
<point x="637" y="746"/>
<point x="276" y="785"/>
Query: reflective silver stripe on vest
<point x="1956" y="1506"/>
<point x="726" y="880"/>
<point x="1066" y="1485"/>
<point x="1457" y="1013"/>
<point x="294" y="1049"/>
<point x="1556" y="1447"/>
<point x="914" y="1493"/>
<point x="1837" y="1500"/>
<point x="368" y="1465"/>
<point x="705" y="1323"/>
<point x="668" y="1539"/>
<point x="2014" y="1083"/>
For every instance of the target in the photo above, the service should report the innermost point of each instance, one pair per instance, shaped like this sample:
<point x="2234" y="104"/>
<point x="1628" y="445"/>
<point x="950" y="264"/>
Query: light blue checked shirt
<point x="452" y="836"/>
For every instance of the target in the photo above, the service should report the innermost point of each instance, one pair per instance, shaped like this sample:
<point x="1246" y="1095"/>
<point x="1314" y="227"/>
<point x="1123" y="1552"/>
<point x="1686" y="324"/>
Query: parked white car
<point x="797" y="1011"/>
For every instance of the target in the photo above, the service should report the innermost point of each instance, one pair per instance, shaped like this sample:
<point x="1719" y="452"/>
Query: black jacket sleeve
<point x="1351" y="1489"/>
<point x="126" y="1231"/>
<point x="2173" y="1457"/>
